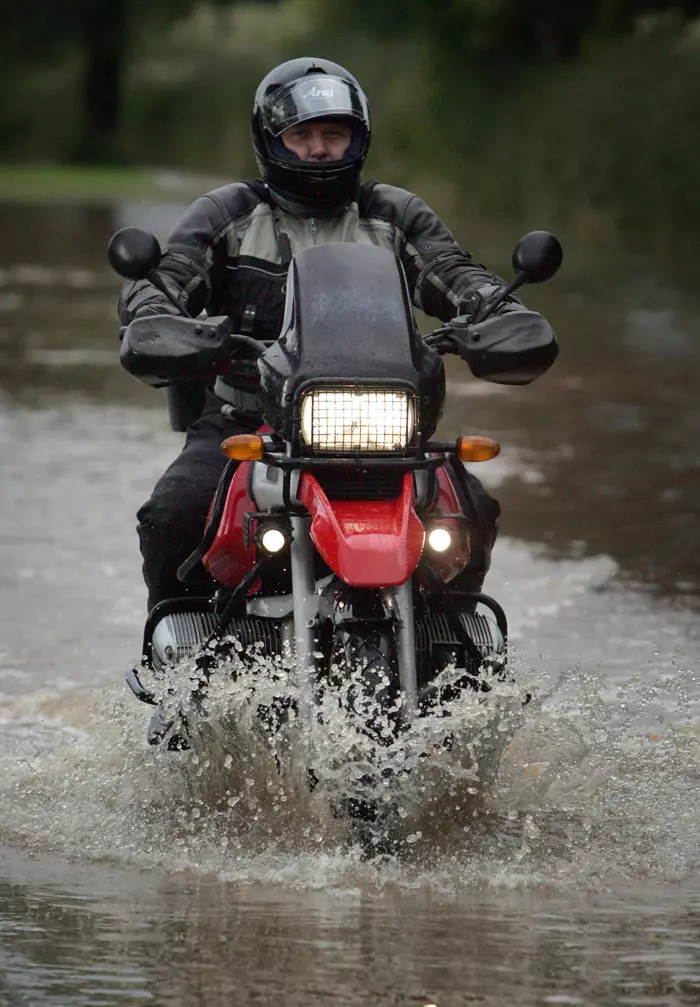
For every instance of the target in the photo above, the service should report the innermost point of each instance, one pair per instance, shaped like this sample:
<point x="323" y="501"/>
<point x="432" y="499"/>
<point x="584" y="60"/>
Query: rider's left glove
<point x="510" y="347"/>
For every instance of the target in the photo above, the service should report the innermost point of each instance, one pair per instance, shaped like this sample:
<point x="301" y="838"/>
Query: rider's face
<point x="318" y="141"/>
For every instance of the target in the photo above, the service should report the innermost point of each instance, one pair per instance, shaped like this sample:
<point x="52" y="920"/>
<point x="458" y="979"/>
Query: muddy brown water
<point x="571" y="877"/>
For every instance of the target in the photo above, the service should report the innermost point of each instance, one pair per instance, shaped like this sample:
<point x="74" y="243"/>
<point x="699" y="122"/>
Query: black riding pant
<point x="171" y="523"/>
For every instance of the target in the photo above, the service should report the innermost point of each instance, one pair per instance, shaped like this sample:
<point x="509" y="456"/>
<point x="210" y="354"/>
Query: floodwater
<point x="567" y="873"/>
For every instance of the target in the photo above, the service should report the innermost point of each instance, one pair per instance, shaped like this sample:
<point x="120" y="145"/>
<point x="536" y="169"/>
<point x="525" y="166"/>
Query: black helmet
<point x="299" y="91"/>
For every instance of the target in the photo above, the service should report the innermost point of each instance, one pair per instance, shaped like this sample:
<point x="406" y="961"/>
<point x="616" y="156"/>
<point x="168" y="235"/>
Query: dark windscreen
<point x="352" y="309"/>
<point x="349" y="320"/>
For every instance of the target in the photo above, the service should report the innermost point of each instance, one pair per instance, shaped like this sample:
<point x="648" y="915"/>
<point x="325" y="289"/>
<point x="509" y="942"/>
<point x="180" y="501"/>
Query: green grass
<point x="57" y="183"/>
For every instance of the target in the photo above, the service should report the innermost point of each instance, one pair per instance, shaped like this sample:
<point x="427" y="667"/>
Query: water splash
<point x="572" y="789"/>
<point x="273" y="732"/>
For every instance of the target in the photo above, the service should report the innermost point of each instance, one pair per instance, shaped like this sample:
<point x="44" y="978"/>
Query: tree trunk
<point x="104" y="38"/>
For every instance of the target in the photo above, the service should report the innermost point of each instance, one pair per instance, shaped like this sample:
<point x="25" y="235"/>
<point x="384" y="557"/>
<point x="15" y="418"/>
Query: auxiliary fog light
<point x="272" y="540"/>
<point x="439" y="539"/>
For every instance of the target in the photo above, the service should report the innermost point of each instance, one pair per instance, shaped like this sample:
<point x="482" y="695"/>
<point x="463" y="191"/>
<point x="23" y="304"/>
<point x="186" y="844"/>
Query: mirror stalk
<point x="517" y="281"/>
<point x="158" y="283"/>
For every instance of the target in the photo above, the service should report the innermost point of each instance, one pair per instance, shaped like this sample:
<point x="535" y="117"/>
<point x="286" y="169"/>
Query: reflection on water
<point x="128" y="939"/>
<point x="58" y="324"/>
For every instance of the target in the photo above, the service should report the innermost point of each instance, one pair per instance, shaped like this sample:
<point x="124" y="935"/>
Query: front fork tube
<point x="400" y="600"/>
<point x="304" y="597"/>
<point x="305" y="601"/>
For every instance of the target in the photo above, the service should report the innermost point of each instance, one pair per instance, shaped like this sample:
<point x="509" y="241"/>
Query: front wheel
<point x="362" y="673"/>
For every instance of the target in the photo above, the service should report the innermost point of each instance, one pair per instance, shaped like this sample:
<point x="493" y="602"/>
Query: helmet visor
<point x="312" y="97"/>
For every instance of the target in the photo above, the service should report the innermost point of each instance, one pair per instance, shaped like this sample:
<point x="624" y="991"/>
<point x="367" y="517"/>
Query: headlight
<point x="439" y="539"/>
<point x="357" y="419"/>
<point x="272" y="540"/>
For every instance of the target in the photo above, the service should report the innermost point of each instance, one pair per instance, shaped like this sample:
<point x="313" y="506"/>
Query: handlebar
<point x="257" y="346"/>
<point x="442" y="340"/>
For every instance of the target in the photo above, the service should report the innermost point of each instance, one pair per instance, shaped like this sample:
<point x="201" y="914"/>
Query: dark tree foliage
<point x="99" y="34"/>
<point x="510" y="31"/>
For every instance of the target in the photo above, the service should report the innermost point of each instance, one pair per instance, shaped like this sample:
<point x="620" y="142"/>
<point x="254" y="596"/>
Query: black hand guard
<point x="166" y="350"/>
<point x="512" y="348"/>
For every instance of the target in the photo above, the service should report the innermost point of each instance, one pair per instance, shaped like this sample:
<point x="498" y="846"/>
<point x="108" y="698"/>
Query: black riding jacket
<point x="230" y="253"/>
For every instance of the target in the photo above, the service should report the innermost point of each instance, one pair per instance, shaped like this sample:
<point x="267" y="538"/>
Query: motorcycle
<point x="339" y="530"/>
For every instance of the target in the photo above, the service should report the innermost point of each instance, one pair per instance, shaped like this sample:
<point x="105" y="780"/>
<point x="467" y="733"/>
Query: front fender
<point x="368" y="543"/>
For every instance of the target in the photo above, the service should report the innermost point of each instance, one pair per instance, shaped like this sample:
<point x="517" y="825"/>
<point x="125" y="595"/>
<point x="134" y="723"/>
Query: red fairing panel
<point x="369" y="543"/>
<point x="228" y="560"/>
<point x="448" y="564"/>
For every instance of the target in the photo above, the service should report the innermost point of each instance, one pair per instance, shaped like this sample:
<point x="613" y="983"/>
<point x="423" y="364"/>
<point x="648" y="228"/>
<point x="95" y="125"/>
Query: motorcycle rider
<point x="229" y="255"/>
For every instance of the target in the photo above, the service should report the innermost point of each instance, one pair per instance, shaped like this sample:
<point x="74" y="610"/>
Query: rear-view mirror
<point x="133" y="253"/>
<point x="539" y="255"/>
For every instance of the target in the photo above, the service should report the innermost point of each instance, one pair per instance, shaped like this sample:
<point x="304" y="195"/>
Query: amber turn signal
<point x="244" y="448"/>
<point x="477" y="449"/>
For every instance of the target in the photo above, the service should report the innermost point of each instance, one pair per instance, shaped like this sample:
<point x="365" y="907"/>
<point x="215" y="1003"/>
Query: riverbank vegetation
<point x="583" y="115"/>
<point x="99" y="184"/>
